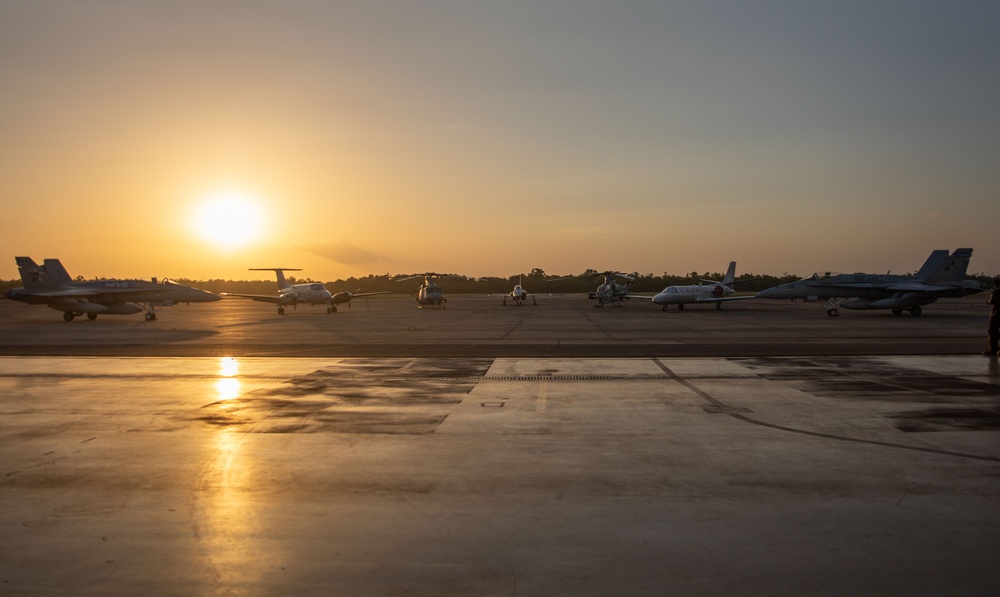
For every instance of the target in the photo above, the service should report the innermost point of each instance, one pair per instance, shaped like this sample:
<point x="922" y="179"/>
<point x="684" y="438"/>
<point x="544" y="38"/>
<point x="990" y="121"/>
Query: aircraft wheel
<point x="333" y="308"/>
<point x="680" y="307"/>
<point x="832" y="312"/>
<point x="281" y="310"/>
<point x="718" y="306"/>
<point x="150" y="316"/>
<point x="897" y="311"/>
<point x="916" y="311"/>
<point x="664" y="308"/>
<point x="68" y="316"/>
<point x="91" y="316"/>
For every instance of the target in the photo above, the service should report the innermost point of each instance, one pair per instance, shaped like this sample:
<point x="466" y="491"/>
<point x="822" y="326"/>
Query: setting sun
<point x="229" y="220"/>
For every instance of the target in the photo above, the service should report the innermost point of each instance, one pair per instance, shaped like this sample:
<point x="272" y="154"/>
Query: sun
<point x="229" y="220"/>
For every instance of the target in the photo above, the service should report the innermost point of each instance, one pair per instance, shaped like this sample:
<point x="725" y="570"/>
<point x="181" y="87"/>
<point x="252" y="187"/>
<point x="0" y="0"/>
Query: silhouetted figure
<point x="993" y="330"/>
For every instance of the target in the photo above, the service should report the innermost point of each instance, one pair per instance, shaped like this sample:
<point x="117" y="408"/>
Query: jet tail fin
<point x="279" y="272"/>
<point x="31" y="274"/>
<point x="952" y="269"/>
<point x="55" y="271"/>
<point x="730" y="274"/>
<point x="934" y="261"/>
<point x="50" y="273"/>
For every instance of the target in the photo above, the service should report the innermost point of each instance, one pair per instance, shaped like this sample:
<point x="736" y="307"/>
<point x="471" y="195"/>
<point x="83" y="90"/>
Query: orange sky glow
<point x="490" y="139"/>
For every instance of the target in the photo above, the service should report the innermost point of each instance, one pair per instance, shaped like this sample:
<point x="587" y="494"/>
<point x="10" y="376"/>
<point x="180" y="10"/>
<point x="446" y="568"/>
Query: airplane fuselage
<point x="679" y="295"/>
<point x="312" y="293"/>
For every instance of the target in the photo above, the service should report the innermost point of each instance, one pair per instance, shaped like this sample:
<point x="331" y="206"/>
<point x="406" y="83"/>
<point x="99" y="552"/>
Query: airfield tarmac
<point x="555" y="449"/>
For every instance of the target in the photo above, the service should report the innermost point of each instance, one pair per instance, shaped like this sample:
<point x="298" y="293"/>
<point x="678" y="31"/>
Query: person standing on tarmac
<point x="993" y="331"/>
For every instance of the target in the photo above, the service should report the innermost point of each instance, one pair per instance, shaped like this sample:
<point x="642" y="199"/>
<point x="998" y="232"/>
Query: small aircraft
<point x="430" y="293"/>
<point x="709" y="291"/>
<point x="519" y="295"/>
<point x="51" y="285"/>
<point x="310" y="293"/>
<point x="941" y="276"/>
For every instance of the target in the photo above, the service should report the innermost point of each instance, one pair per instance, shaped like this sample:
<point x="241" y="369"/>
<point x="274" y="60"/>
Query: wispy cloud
<point x="344" y="252"/>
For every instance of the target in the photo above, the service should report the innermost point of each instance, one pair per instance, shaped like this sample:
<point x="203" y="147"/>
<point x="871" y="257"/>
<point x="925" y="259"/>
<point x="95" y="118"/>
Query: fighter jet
<point x="941" y="276"/>
<point x="519" y="295"/>
<point x="709" y="291"/>
<point x="51" y="285"/>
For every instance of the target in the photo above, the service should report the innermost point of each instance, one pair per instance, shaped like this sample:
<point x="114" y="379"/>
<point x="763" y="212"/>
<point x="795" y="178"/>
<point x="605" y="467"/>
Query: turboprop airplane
<point x="310" y="293"/>
<point x="941" y="276"/>
<point x="430" y="294"/>
<point x="709" y="291"/>
<point x="51" y="285"/>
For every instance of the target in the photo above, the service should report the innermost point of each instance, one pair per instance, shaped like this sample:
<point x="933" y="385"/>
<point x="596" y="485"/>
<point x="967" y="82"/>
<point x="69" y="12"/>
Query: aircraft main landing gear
<point x="832" y="312"/>
<point x="150" y="316"/>
<point x="68" y="316"/>
<point x="91" y="316"/>
<point x="281" y="310"/>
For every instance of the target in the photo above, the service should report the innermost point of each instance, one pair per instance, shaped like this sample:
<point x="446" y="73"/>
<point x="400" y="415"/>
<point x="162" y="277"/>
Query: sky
<point x="197" y="139"/>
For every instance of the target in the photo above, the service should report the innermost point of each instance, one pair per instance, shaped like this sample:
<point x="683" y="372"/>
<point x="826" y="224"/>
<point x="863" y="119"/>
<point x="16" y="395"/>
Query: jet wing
<point x="264" y="298"/>
<point x="720" y="299"/>
<point x="858" y="286"/>
<point x="638" y="296"/>
<point x="67" y="293"/>
<point x="915" y="287"/>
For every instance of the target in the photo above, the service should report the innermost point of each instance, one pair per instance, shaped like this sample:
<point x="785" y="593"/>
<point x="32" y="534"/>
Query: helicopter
<point x="430" y="293"/>
<point x="610" y="291"/>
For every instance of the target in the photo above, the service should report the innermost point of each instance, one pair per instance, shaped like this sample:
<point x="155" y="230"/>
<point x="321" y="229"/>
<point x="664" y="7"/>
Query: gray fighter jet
<point x="941" y="276"/>
<point x="50" y="284"/>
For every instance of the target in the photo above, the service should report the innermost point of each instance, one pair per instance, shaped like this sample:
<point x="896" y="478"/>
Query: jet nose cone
<point x="201" y="296"/>
<point x="770" y="293"/>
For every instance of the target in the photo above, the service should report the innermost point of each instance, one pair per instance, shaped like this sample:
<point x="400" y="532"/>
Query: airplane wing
<point x="723" y="298"/>
<point x="357" y="294"/>
<point x="69" y="293"/>
<point x="264" y="298"/>
<point x="917" y="287"/>
<point x="638" y="296"/>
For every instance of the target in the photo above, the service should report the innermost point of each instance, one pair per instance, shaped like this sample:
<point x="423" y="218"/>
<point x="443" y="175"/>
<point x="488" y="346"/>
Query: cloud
<point x="344" y="252"/>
